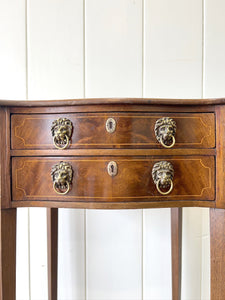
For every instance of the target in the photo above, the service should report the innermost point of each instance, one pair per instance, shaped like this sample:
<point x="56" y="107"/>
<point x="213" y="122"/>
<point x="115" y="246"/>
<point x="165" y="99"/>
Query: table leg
<point x="52" y="234"/>
<point x="217" y="247"/>
<point x="8" y="254"/>
<point x="176" y="247"/>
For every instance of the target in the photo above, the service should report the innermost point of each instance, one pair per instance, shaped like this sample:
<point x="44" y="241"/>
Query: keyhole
<point x="110" y="124"/>
<point x="112" y="169"/>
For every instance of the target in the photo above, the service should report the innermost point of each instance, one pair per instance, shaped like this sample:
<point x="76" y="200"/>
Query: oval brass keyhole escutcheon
<point x="110" y="125"/>
<point x="112" y="168"/>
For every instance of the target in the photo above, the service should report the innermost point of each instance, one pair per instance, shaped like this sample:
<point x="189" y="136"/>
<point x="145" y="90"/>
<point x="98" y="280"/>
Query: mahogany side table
<point x="112" y="154"/>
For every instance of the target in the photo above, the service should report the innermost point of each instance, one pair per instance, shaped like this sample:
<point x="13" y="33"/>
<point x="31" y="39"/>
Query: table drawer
<point x="112" y="179"/>
<point x="114" y="130"/>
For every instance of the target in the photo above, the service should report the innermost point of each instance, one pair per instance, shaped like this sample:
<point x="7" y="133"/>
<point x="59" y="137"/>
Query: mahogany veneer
<point x="196" y="179"/>
<point x="134" y="130"/>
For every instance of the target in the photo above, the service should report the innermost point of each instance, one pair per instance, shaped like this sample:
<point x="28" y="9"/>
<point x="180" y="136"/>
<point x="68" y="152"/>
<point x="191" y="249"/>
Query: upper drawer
<point x="112" y="130"/>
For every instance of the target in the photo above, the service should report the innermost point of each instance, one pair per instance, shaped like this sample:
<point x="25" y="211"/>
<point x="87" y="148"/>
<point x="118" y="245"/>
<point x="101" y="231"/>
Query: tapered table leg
<point x="8" y="254"/>
<point x="52" y="234"/>
<point x="217" y="247"/>
<point x="176" y="246"/>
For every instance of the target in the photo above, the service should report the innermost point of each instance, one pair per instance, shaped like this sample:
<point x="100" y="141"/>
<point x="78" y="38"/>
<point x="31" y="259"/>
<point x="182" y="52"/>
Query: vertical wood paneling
<point x="38" y="254"/>
<point x="71" y="261"/>
<point x="157" y="255"/>
<point x="12" y="50"/>
<point x="214" y="48"/>
<point x="13" y="86"/>
<point x="173" y="48"/>
<point x="214" y="78"/>
<point x="113" y="69"/>
<point x="55" y="49"/>
<point x="114" y="243"/>
<point x="113" y="48"/>
<point x="55" y="70"/>
<point x="172" y="68"/>
<point x="192" y="254"/>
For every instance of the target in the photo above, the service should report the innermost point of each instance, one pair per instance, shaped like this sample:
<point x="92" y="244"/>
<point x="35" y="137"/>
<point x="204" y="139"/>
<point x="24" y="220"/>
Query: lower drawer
<point x="113" y="179"/>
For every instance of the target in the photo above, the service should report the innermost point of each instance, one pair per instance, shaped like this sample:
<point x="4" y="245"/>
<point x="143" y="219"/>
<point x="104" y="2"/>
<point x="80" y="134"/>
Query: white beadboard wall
<point x="54" y="49"/>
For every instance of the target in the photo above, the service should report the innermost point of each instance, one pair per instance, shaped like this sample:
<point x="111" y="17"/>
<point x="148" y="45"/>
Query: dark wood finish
<point x="193" y="180"/>
<point x="8" y="254"/>
<point x="132" y="130"/>
<point x="176" y="248"/>
<point x="220" y="157"/>
<point x="114" y="152"/>
<point x="107" y="101"/>
<point x="52" y="240"/>
<point x="198" y="158"/>
<point x="5" y="173"/>
<point x="116" y="107"/>
<point x="114" y="205"/>
<point x="217" y="244"/>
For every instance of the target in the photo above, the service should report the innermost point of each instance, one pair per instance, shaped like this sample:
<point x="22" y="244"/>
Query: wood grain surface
<point x="220" y="157"/>
<point x="5" y="173"/>
<point x="176" y="251"/>
<point x="8" y="254"/>
<point x="132" y="130"/>
<point x="87" y="101"/>
<point x="217" y="247"/>
<point x="52" y="244"/>
<point x="193" y="180"/>
<point x="113" y="205"/>
<point x="113" y="107"/>
<point x="115" y="152"/>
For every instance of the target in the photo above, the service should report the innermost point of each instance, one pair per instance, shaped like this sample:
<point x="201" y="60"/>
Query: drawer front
<point x="126" y="130"/>
<point x="95" y="180"/>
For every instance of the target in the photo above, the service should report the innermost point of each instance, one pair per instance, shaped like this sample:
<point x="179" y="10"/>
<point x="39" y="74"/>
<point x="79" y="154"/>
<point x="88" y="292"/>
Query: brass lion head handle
<point x="165" y="130"/>
<point x="162" y="175"/>
<point x="62" y="176"/>
<point x="61" y="132"/>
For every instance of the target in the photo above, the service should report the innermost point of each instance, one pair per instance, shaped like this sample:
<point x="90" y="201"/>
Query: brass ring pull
<point x="164" y="193"/>
<point x="61" y="193"/>
<point x="166" y="146"/>
<point x="64" y="146"/>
